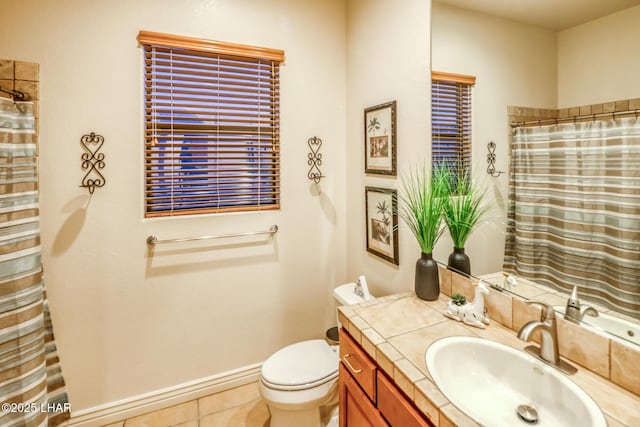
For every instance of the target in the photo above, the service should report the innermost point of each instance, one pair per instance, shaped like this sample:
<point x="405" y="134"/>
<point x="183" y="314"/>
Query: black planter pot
<point x="427" y="278"/>
<point x="459" y="261"/>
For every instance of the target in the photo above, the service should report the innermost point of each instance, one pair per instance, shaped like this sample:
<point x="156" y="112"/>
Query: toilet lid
<point x="301" y="363"/>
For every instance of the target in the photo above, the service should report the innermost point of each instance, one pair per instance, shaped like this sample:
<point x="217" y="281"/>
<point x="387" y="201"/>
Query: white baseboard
<point x="152" y="401"/>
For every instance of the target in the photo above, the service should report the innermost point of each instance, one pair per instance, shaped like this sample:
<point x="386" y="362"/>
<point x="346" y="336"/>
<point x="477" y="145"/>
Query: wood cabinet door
<point x="356" y="410"/>
<point x="395" y="407"/>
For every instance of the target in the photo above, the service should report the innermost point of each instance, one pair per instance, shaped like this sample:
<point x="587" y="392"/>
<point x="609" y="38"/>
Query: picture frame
<point x="380" y="139"/>
<point x="381" y="220"/>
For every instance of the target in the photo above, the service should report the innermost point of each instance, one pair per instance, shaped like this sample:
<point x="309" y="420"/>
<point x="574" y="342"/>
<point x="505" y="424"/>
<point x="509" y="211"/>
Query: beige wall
<point x="600" y="61"/>
<point x="128" y="323"/>
<point x="515" y="64"/>
<point x="524" y="65"/>
<point x="387" y="59"/>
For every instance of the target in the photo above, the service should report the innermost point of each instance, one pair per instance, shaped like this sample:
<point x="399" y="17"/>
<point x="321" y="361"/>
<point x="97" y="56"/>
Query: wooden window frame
<point x="212" y="139"/>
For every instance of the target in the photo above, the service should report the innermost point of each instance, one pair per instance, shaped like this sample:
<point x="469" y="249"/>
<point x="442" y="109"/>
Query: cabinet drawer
<point x="358" y="364"/>
<point x="395" y="407"/>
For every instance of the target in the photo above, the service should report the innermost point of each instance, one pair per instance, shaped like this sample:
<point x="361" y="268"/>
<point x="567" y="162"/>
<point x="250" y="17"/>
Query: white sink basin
<point x="489" y="381"/>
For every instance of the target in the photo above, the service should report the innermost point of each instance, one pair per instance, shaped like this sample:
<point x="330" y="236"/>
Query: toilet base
<point x="298" y="411"/>
<point x="334" y="421"/>
<point x="282" y="418"/>
<point x="323" y="416"/>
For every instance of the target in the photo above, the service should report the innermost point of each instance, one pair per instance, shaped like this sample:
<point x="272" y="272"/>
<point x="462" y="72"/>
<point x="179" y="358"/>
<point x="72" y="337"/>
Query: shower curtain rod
<point x="574" y="118"/>
<point x="19" y="96"/>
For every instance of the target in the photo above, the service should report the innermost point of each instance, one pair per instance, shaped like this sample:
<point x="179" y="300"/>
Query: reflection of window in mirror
<point x="451" y="122"/>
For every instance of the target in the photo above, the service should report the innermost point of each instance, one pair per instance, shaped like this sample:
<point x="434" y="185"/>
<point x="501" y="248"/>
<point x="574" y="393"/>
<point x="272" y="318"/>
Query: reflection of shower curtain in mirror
<point x="30" y="374"/>
<point x="574" y="209"/>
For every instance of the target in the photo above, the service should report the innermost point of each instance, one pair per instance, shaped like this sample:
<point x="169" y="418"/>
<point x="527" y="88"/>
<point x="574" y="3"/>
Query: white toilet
<point x="299" y="383"/>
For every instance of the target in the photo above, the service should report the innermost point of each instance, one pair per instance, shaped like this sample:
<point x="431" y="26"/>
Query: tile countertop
<point x="397" y="329"/>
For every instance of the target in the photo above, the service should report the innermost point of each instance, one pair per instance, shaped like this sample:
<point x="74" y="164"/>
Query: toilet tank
<point x="346" y="294"/>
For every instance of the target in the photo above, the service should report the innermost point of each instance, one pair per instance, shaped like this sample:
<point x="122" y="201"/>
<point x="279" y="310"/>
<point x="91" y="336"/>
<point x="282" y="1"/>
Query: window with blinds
<point x="451" y="122"/>
<point x="211" y="126"/>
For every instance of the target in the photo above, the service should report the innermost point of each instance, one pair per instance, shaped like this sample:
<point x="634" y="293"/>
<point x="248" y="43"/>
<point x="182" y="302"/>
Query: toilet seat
<point x="295" y="387"/>
<point x="300" y="366"/>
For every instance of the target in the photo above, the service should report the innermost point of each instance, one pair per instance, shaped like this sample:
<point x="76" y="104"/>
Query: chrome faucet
<point x="574" y="312"/>
<point x="591" y="311"/>
<point x="548" y="333"/>
<point x="548" y="351"/>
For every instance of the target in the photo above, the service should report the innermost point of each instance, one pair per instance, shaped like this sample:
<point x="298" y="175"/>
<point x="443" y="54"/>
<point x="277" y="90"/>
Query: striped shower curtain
<point x="32" y="390"/>
<point x="574" y="209"/>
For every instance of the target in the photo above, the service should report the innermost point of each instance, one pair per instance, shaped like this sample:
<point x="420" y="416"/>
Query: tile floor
<point x="238" y="407"/>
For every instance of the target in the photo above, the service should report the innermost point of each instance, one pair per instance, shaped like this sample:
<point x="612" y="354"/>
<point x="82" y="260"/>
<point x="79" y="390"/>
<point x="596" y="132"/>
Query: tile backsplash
<point x="22" y="76"/>
<point x="612" y="360"/>
<point x="525" y="114"/>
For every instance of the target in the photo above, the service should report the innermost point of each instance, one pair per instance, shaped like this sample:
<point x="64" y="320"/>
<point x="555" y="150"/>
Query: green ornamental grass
<point x="421" y="203"/>
<point x="464" y="208"/>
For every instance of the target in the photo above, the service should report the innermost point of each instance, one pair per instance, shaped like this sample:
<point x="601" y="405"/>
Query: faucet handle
<point x="548" y="313"/>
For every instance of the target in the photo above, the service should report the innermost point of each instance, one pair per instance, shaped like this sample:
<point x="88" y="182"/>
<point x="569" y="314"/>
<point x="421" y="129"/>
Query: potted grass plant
<point x="464" y="209"/>
<point x="421" y="202"/>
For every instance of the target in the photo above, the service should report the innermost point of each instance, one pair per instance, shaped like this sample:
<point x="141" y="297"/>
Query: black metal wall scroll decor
<point x="315" y="159"/>
<point x="92" y="161"/>
<point x="491" y="160"/>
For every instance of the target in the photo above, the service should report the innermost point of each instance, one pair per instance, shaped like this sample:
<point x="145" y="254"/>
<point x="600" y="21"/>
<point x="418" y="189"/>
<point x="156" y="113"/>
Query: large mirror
<point x="545" y="55"/>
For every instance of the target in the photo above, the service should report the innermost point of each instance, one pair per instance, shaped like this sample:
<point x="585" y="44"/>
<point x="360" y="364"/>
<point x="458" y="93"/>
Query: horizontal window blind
<point x="451" y="121"/>
<point x="211" y="126"/>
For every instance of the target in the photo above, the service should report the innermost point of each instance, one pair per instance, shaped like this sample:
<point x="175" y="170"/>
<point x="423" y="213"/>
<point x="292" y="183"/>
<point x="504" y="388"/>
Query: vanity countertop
<point x="396" y="330"/>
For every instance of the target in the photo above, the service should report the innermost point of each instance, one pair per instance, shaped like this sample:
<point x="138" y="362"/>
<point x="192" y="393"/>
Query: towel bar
<point x="153" y="240"/>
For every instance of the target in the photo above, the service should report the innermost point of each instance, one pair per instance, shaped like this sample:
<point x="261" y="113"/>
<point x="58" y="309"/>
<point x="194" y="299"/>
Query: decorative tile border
<point x="580" y="345"/>
<point x="615" y="363"/>
<point x="22" y="76"/>
<point x="523" y="114"/>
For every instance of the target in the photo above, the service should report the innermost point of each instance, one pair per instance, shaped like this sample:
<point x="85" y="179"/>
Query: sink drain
<point x="528" y="414"/>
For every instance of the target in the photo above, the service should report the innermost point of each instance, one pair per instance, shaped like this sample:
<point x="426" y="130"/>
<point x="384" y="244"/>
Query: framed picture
<point x="380" y="139"/>
<point x="382" y="223"/>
